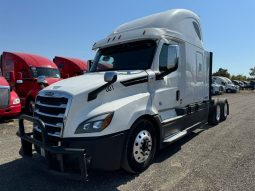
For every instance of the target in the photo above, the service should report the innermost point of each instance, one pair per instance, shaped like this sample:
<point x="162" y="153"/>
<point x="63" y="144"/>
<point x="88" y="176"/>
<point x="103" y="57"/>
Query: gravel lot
<point x="213" y="158"/>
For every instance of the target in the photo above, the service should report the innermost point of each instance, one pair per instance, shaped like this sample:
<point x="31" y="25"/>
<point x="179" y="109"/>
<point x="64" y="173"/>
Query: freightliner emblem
<point x="49" y="93"/>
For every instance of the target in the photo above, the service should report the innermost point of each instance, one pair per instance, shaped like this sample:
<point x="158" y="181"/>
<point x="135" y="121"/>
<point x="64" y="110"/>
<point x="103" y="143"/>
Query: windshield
<point x="47" y="72"/>
<point x="129" y="56"/>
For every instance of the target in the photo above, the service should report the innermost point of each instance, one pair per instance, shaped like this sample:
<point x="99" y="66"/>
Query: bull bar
<point x="27" y="141"/>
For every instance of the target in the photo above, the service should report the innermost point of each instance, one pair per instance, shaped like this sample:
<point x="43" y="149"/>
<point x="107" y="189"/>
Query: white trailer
<point x="149" y="85"/>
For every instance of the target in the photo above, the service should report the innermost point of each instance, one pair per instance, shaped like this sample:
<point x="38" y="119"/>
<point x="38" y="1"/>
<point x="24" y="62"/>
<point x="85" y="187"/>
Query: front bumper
<point x="27" y="140"/>
<point x="10" y="111"/>
<point x="103" y="153"/>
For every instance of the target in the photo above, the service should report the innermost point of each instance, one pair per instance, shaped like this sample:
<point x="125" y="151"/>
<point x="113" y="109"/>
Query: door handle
<point x="177" y="95"/>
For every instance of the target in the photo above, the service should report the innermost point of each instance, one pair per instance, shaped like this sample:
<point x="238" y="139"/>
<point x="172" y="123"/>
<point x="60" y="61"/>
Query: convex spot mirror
<point x="173" y="56"/>
<point x="110" y="77"/>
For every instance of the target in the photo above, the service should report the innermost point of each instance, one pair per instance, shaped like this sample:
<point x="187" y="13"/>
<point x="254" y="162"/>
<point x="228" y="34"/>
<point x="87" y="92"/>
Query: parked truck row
<point x="149" y="85"/>
<point x="27" y="74"/>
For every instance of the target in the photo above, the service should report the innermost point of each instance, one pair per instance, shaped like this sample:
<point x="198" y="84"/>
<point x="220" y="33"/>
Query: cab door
<point x="28" y="84"/>
<point x="165" y="91"/>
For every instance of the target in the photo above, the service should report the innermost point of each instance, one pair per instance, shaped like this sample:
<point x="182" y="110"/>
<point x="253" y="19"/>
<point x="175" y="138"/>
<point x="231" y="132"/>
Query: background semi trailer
<point x="70" y="67"/>
<point x="9" y="100"/>
<point x="22" y="71"/>
<point x="149" y="85"/>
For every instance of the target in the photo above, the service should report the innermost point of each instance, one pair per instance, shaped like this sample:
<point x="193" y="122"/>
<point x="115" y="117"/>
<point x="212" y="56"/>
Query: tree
<point x="222" y="72"/>
<point x="252" y="73"/>
<point x="239" y="77"/>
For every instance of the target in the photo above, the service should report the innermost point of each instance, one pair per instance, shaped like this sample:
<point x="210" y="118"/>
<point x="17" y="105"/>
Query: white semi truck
<point x="149" y="85"/>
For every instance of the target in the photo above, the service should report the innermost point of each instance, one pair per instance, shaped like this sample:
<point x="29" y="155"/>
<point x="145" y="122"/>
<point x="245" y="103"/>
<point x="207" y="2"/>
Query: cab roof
<point x="33" y="60"/>
<point x="175" y="23"/>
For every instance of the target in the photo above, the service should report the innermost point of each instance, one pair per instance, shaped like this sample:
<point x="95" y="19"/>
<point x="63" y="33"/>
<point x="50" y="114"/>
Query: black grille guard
<point x="27" y="141"/>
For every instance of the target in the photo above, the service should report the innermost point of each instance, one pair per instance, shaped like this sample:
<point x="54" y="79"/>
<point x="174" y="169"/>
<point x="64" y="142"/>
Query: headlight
<point x="95" y="124"/>
<point x="16" y="101"/>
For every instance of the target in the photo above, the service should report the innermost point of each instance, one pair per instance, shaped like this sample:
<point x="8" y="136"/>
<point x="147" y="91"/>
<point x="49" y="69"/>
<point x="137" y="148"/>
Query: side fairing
<point x="196" y="69"/>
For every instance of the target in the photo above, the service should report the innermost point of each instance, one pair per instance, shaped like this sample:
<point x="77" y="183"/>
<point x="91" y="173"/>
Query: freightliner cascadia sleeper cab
<point x="149" y="85"/>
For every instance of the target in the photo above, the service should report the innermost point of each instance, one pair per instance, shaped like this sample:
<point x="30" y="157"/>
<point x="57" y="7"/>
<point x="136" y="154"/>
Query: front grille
<point x="52" y="111"/>
<point x="4" y="97"/>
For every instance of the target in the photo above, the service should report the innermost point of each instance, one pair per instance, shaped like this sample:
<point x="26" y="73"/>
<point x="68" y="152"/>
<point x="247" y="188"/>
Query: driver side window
<point x="163" y="57"/>
<point x="168" y="57"/>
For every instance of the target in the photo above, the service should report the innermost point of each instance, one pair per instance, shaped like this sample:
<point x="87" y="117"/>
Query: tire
<point x="26" y="148"/>
<point x="140" y="147"/>
<point x="30" y="106"/>
<point x="224" y="110"/>
<point x="215" y="114"/>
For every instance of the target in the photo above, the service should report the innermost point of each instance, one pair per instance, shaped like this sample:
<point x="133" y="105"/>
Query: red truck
<point x="70" y="67"/>
<point x="28" y="74"/>
<point x="9" y="100"/>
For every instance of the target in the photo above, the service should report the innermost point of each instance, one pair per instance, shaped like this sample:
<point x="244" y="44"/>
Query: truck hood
<point x="91" y="81"/>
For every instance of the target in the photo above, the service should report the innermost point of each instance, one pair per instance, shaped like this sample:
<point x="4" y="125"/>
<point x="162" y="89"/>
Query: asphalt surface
<point x="213" y="158"/>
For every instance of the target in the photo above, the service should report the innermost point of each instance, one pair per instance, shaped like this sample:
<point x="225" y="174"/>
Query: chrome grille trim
<point x="5" y="103"/>
<point x="49" y="115"/>
<point x="61" y="106"/>
<point x="51" y="134"/>
<point x="53" y="111"/>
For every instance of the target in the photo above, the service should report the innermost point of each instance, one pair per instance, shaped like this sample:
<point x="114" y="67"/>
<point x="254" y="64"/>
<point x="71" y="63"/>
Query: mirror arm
<point x="93" y="95"/>
<point x="161" y="75"/>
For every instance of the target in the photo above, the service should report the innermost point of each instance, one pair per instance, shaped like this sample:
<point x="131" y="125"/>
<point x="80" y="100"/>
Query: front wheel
<point x="30" y="107"/>
<point x="140" y="147"/>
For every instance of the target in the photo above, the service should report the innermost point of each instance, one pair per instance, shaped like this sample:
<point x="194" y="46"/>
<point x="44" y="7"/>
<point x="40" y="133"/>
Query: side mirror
<point x="12" y="77"/>
<point x="41" y="80"/>
<point x="173" y="56"/>
<point x="110" y="77"/>
<point x="19" y="78"/>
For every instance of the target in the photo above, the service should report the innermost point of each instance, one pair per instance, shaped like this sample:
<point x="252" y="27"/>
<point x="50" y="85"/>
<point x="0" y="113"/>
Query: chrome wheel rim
<point x="225" y="110"/>
<point x="218" y="113"/>
<point x="142" y="146"/>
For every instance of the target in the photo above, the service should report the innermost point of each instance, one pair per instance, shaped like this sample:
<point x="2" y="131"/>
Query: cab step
<point x="175" y="137"/>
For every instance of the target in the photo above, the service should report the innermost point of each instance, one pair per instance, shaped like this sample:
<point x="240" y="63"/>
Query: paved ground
<point x="213" y="158"/>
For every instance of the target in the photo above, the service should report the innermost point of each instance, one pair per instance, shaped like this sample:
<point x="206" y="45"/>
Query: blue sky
<point x="69" y="28"/>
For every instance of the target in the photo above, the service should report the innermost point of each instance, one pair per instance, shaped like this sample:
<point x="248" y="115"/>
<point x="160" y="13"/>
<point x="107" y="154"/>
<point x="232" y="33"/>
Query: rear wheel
<point x="224" y="110"/>
<point x="140" y="147"/>
<point x="215" y="114"/>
